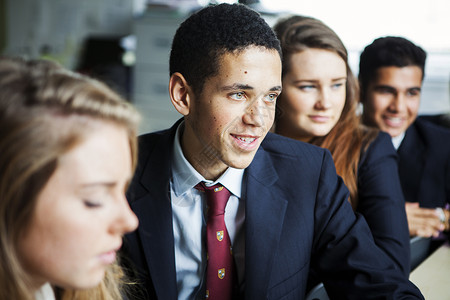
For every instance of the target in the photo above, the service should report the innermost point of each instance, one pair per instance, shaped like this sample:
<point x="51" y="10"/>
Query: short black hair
<point x="387" y="52"/>
<point x="213" y="31"/>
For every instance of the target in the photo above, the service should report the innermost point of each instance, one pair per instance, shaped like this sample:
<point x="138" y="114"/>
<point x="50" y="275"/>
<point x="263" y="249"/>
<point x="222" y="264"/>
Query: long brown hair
<point x="44" y="112"/>
<point x="348" y="138"/>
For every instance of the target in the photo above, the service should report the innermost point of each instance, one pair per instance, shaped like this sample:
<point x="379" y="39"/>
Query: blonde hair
<point x="348" y="138"/>
<point x="46" y="110"/>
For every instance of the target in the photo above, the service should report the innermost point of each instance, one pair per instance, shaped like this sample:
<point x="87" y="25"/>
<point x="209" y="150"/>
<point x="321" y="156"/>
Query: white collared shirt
<point x="397" y="140"/>
<point x="45" y="293"/>
<point x="189" y="222"/>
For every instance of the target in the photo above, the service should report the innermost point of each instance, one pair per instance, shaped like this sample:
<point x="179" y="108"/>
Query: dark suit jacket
<point x="438" y="119"/>
<point x="381" y="200"/>
<point x="424" y="164"/>
<point x="297" y="218"/>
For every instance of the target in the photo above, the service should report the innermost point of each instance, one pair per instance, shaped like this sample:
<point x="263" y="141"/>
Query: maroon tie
<point x="220" y="269"/>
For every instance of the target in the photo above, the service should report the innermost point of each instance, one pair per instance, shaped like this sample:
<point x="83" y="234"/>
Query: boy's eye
<point x="271" y="97"/>
<point x="238" y="96"/>
<point x="413" y="93"/>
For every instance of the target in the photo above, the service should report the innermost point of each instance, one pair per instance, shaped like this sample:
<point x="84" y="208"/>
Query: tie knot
<point x="216" y="197"/>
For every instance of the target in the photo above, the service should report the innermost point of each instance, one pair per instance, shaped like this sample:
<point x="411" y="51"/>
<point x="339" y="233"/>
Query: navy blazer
<point x="424" y="164"/>
<point x="297" y="217"/>
<point x="381" y="201"/>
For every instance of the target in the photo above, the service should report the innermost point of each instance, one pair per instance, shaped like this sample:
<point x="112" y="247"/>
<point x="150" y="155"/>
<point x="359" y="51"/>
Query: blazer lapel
<point x="264" y="215"/>
<point x="155" y="214"/>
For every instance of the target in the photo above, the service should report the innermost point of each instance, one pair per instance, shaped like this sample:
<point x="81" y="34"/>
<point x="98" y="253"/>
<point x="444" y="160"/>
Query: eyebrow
<point x="316" y="80"/>
<point x="391" y="88"/>
<point x="238" y="86"/>
<point x="415" y="89"/>
<point x="276" y="88"/>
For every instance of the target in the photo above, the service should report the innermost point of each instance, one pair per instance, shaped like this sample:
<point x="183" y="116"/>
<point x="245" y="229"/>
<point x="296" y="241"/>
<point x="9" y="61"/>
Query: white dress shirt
<point x="45" y="293"/>
<point x="397" y="140"/>
<point x="189" y="222"/>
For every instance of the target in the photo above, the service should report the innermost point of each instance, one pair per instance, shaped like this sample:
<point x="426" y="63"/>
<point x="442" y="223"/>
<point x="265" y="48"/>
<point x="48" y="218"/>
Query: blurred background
<point x="126" y="43"/>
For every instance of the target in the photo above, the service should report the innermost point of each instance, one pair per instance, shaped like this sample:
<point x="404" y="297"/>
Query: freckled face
<point x="313" y="95"/>
<point x="81" y="213"/>
<point x="393" y="98"/>
<point x="228" y="121"/>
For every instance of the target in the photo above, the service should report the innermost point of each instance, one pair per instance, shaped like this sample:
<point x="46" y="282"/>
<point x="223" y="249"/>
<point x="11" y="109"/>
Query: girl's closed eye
<point x="95" y="195"/>
<point x="92" y="203"/>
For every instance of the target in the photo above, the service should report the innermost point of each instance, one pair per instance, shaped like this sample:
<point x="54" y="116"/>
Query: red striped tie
<point x="220" y="269"/>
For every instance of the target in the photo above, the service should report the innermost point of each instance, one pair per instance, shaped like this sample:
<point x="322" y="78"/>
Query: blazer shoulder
<point x="434" y="136"/>
<point x="148" y="140"/>
<point x="276" y="144"/>
<point x="429" y="127"/>
<point x="381" y="146"/>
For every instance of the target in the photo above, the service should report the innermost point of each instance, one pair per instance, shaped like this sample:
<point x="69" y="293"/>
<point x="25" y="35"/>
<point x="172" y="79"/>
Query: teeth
<point x="395" y="120"/>
<point x="246" y="139"/>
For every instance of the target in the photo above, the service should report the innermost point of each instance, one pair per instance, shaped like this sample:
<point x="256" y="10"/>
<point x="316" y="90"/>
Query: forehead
<point x="315" y="62"/>
<point x="89" y="160"/>
<point x="401" y="77"/>
<point x="251" y="65"/>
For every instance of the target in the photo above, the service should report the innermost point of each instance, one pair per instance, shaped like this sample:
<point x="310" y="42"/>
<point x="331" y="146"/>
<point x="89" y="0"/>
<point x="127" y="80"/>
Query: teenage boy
<point x="391" y="73"/>
<point x="287" y="210"/>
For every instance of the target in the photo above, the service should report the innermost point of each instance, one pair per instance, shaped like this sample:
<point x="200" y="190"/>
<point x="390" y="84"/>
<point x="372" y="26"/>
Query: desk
<point x="432" y="276"/>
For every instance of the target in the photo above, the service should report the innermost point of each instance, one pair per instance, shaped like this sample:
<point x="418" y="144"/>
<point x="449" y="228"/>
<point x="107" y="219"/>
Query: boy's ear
<point x="179" y="91"/>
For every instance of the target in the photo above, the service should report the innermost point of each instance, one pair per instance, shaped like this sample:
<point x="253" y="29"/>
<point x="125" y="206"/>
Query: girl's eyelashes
<point x="91" y="203"/>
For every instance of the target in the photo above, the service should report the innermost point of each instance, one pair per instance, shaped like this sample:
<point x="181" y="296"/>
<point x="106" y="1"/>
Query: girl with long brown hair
<point x="318" y="105"/>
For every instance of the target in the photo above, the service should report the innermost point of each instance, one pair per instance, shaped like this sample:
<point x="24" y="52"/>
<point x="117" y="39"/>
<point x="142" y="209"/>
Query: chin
<point x="394" y="134"/>
<point x="88" y="282"/>
<point x="242" y="163"/>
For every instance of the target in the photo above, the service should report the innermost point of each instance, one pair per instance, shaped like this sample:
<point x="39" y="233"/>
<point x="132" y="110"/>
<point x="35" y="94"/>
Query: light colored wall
<point x="57" y="28"/>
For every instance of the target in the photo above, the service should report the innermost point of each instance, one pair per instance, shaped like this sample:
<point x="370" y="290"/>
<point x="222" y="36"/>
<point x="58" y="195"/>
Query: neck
<point x="285" y="129"/>
<point x="196" y="153"/>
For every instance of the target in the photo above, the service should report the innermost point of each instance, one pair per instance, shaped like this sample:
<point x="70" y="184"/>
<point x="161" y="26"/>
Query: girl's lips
<point x="320" y="119"/>
<point x="108" y="257"/>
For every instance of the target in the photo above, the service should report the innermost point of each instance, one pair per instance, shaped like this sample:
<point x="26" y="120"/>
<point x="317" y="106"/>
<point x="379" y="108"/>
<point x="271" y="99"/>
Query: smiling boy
<point x="391" y="76"/>
<point x="287" y="210"/>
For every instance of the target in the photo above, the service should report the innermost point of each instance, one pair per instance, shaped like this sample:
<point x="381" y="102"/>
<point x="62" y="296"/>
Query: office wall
<point x="2" y="25"/>
<point x="57" y="28"/>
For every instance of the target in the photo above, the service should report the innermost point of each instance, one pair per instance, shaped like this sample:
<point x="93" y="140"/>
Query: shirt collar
<point x="45" y="293"/>
<point x="185" y="177"/>
<point x="397" y="140"/>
